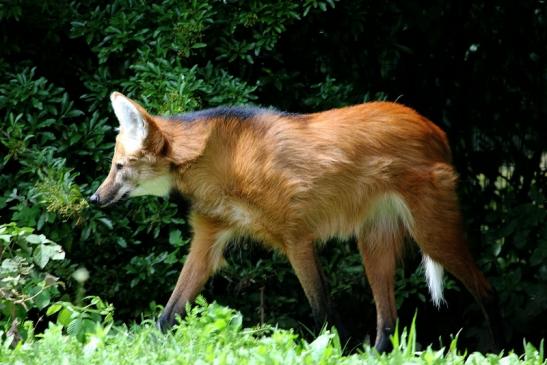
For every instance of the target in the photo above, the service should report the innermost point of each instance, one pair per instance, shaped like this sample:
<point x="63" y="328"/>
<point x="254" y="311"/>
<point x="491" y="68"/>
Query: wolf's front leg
<point x="206" y="255"/>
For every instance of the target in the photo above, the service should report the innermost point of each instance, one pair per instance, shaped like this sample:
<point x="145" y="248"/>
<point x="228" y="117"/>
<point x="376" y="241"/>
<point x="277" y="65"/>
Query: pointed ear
<point x="133" y="122"/>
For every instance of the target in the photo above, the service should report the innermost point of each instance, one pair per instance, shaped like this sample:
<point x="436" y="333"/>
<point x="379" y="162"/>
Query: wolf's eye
<point x="119" y="166"/>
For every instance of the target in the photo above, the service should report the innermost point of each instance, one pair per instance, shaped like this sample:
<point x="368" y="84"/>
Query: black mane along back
<point x="227" y="112"/>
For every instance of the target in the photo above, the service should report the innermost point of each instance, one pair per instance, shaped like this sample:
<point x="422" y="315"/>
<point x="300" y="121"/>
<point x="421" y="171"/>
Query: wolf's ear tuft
<point x="133" y="124"/>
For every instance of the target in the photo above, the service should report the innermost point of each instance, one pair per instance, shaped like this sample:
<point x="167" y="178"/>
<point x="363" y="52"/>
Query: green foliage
<point x="81" y="321"/>
<point x="58" y="192"/>
<point x="25" y="282"/>
<point x="213" y="334"/>
<point x="516" y="235"/>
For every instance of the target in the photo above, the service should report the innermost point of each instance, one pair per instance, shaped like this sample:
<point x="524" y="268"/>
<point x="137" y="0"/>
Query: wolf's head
<point x="139" y="166"/>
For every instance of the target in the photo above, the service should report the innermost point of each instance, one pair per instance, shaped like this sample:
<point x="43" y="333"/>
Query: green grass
<point x="212" y="334"/>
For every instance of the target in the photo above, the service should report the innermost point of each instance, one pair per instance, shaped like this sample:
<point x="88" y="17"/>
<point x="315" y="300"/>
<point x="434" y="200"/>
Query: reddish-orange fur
<point x="292" y="180"/>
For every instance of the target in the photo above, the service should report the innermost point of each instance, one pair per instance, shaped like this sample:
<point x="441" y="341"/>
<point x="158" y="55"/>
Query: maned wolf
<point x="377" y="171"/>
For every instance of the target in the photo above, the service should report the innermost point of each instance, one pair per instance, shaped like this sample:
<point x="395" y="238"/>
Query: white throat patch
<point x="159" y="186"/>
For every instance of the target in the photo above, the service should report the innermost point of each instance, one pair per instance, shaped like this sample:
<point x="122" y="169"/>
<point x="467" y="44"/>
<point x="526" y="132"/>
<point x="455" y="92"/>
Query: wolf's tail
<point x="434" y="275"/>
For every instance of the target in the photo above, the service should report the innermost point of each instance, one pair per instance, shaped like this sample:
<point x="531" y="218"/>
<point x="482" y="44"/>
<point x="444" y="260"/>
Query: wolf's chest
<point x="237" y="213"/>
<point x="231" y="211"/>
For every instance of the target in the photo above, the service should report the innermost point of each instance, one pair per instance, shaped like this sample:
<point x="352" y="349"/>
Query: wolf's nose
<point x="94" y="199"/>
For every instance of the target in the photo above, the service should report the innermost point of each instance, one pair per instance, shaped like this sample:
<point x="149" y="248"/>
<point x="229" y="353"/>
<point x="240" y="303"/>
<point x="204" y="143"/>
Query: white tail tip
<point x="434" y="275"/>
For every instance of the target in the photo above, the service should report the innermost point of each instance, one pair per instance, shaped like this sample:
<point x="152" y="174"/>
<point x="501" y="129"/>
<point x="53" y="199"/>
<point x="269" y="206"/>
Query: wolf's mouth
<point x="107" y="203"/>
<point x="116" y="198"/>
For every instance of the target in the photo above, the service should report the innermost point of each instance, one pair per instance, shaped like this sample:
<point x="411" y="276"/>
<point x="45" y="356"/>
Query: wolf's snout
<point x="94" y="199"/>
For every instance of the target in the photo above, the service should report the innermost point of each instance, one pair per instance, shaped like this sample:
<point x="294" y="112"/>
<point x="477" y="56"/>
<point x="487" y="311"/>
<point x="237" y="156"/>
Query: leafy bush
<point x="24" y="282"/>
<point x="82" y="321"/>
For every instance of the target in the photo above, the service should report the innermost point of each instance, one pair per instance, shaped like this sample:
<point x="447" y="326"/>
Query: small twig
<point x="14" y="332"/>
<point x="262" y="305"/>
<point x="23" y="299"/>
